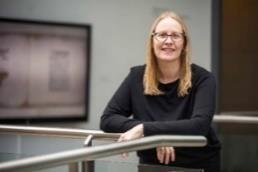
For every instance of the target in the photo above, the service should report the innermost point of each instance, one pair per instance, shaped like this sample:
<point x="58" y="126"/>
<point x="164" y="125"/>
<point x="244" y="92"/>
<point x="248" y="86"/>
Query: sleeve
<point x="201" y="118"/>
<point x="116" y="116"/>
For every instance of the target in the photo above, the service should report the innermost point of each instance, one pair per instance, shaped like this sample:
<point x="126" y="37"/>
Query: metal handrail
<point x="92" y="153"/>
<point x="235" y="119"/>
<point x="82" y="133"/>
<point x="88" y="153"/>
<point x="61" y="132"/>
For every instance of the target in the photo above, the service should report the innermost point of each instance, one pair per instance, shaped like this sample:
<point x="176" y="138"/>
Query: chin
<point x="168" y="59"/>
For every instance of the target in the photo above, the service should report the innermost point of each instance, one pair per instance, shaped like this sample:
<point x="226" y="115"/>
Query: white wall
<point x="119" y="30"/>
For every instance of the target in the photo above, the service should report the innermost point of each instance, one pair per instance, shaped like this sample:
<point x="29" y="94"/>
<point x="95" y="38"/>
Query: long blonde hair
<point x="150" y="80"/>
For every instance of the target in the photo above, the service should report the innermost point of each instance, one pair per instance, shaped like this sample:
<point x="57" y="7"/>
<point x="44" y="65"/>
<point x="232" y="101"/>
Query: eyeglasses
<point x="162" y="37"/>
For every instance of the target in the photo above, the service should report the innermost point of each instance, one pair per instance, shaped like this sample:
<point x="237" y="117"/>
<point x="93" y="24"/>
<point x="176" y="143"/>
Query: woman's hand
<point x="166" y="154"/>
<point x="134" y="133"/>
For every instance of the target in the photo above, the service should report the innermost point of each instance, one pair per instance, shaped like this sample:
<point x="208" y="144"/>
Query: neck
<point x="168" y="71"/>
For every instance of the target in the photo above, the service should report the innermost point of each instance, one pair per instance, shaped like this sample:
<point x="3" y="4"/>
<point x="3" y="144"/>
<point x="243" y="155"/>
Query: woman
<point x="168" y="95"/>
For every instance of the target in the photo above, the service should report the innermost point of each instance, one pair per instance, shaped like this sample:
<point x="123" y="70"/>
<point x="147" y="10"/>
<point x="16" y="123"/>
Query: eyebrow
<point x="168" y="32"/>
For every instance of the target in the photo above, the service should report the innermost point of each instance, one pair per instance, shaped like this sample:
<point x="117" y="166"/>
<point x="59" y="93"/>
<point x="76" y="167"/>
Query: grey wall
<point x="119" y="30"/>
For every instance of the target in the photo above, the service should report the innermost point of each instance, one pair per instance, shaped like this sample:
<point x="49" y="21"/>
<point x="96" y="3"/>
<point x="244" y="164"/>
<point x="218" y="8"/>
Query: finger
<point x="167" y="155"/>
<point x="158" y="153"/>
<point x="173" y="154"/>
<point x="162" y="154"/>
<point x="124" y="155"/>
<point x="121" y="139"/>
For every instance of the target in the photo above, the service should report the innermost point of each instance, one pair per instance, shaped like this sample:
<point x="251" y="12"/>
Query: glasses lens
<point x="163" y="36"/>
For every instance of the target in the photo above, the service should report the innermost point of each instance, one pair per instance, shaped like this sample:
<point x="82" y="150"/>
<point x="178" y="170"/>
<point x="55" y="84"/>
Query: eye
<point x="162" y="35"/>
<point x="176" y="35"/>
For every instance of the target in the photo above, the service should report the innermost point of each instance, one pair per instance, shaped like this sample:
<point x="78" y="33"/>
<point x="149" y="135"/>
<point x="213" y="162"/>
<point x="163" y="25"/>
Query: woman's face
<point x="168" y="40"/>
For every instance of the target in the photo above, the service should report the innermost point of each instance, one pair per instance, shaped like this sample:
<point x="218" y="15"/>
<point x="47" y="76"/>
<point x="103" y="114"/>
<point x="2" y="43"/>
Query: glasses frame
<point x="154" y="35"/>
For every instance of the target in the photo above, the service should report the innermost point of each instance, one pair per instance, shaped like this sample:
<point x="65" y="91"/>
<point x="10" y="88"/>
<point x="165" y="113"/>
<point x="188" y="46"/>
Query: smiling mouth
<point x="168" y="50"/>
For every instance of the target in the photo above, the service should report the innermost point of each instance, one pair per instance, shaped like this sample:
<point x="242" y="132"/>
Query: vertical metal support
<point x="88" y="166"/>
<point x="73" y="167"/>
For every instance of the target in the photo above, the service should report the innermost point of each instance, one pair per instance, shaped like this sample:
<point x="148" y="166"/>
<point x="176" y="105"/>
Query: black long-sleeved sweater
<point x="167" y="114"/>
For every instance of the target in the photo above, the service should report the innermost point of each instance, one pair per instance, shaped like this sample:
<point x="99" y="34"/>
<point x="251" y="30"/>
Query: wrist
<point x="140" y="129"/>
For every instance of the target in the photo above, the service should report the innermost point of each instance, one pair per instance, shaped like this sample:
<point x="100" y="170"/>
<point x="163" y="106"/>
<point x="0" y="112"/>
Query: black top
<point x="167" y="114"/>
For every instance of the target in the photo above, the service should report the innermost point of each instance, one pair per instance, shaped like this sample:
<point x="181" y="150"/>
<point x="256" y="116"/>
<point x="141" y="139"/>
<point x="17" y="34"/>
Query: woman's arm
<point x="117" y="112"/>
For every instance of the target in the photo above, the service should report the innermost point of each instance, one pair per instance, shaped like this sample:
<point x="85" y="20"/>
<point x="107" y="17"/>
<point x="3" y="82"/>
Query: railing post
<point x="88" y="166"/>
<point x="73" y="167"/>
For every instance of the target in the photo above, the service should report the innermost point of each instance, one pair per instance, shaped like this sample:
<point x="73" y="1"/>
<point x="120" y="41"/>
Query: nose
<point x="169" y="39"/>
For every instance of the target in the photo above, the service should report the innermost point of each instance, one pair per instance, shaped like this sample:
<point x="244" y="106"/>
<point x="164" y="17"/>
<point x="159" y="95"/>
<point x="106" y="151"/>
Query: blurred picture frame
<point x="44" y="70"/>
